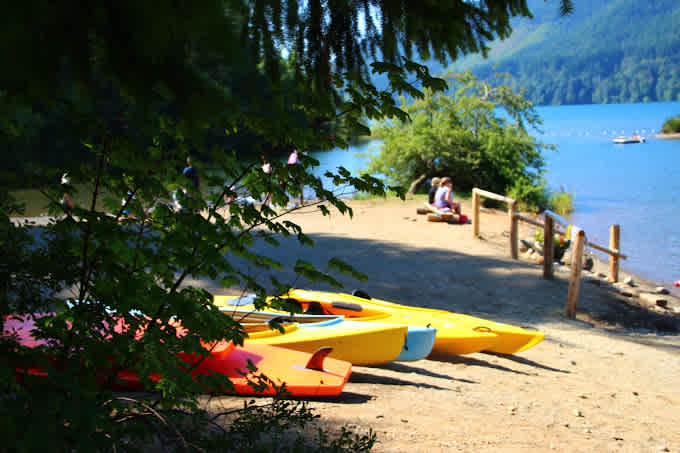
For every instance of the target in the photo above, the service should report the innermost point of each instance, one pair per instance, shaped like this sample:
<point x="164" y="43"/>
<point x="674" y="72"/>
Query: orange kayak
<point x="304" y="374"/>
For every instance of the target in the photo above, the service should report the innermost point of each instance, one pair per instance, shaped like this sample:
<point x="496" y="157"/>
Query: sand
<point x="671" y="135"/>
<point x="608" y="380"/>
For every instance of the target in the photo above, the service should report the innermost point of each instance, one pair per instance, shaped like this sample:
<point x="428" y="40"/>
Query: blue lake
<point x="636" y="186"/>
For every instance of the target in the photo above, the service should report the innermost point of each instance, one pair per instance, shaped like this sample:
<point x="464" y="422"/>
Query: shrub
<point x="561" y="202"/>
<point x="530" y="196"/>
<point x="672" y="125"/>
<point x="280" y="425"/>
<point x="477" y="133"/>
<point x="370" y="196"/>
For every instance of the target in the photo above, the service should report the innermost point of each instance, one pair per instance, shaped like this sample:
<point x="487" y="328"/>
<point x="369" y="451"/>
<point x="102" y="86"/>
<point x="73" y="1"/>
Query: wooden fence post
<point x="548" y="236"/>
<point x="575" y="277"/>
<point x="614" y="244"/>
<point x="475" y="212"/>
<point x="512" y="210"/>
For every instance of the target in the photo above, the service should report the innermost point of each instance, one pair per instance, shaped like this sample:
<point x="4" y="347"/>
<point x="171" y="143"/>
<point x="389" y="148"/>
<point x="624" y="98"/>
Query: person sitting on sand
<point x="434" y="185"/>
<point x="443" y="197"/>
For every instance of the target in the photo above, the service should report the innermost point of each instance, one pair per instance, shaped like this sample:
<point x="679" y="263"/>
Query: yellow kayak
<point x="356" y="342"/>
<point x="509" y="338"/>
<point x="451" y="337"/>
<point x="418" y="344"/>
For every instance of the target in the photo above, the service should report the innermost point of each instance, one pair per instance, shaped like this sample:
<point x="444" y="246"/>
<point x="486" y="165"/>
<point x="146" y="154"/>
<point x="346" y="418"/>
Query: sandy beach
<point x="608" y="380"/>
<point x="672" y="135"/>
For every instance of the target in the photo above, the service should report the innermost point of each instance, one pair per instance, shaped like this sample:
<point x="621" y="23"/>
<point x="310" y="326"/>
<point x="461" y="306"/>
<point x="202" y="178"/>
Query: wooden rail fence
<point x="578" y="238"/>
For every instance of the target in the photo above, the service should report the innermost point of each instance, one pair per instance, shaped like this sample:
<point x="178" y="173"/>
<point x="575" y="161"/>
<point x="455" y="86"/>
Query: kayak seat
<point x="292" y="305"/>
<point x="314" y="308"/>
<point x="361" y="293"/>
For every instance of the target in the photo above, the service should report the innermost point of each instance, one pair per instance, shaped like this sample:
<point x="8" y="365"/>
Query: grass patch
<point x="36" y="204"/>
<point x="462" y="195"/>
<point x="363" y="196"/>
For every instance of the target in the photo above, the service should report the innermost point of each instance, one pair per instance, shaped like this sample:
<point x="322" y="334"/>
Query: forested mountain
<point x="606" y="51"/>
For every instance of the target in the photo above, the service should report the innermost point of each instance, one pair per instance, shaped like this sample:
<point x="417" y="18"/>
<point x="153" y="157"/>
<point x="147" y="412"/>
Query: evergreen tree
<point x="629" y="45"/>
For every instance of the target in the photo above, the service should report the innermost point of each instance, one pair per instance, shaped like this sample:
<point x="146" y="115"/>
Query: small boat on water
<point x="304" y="374"/>
<point x="348" y="338"/>
<point x="626" y="140"/>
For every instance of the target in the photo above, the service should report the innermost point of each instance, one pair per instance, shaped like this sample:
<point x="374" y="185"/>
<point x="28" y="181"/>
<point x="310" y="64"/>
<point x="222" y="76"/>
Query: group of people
<point x="441" y="195"/>
<point x="193" y="183"/>
<point x="191" y="174"/>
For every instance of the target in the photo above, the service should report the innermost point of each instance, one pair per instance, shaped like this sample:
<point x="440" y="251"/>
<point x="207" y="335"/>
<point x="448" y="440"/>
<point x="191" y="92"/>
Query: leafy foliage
<point x="672" y="125"/>
<point x="280" y="426"/>
<point x="477" y="135"/>
<point x="531" y="196"/>
<point x="114" y="267"/>
<point x="117" y="94"/>
<point x="562" y="202"/>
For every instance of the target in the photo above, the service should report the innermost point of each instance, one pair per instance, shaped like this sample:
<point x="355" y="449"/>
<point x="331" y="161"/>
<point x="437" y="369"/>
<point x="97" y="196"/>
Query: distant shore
<point x="674" y="135"/>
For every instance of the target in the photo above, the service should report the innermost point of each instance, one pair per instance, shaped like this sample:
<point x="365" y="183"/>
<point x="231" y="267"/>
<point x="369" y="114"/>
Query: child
<point x="443" y="197"/>
<point x="434" y="185"/>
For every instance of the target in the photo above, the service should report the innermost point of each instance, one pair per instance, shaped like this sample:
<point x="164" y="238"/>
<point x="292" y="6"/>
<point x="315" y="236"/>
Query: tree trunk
<point x="414" y="185"/>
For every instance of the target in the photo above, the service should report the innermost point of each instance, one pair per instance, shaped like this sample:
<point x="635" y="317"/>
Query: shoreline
<point x="586" y="387"/>
<point x="600" y="260"/>
<point x="601" y="266"/>
<point x="639" y="279"/>
<point x="671" y="136"/>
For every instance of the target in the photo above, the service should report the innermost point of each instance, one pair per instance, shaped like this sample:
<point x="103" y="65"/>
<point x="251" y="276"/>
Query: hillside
<point x="607" y="51"/>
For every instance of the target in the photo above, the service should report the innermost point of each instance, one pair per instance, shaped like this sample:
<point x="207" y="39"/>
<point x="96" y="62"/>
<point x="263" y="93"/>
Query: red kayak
<point x="304" y="374"/>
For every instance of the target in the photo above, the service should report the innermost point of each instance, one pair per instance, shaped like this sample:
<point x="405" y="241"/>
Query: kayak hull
<point x="418" y="345"/>
<point x="355" y="342"/>
<point x="415" y="342"/>
<point x="450" y="337"/>
<point x="512" y="339"/>
<point x="509" y="339"/>
<point x="280" y="366"/>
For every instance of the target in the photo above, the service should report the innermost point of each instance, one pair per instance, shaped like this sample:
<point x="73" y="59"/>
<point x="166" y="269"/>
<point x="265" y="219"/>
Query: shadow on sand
<point x="359" y="377"/>
<point x="344" y="398"/>
<point x="524" y="361"/>
<point x="401" y="368"/>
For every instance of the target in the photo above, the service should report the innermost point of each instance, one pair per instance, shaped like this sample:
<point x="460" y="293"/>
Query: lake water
<point x="636" y="186"/>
